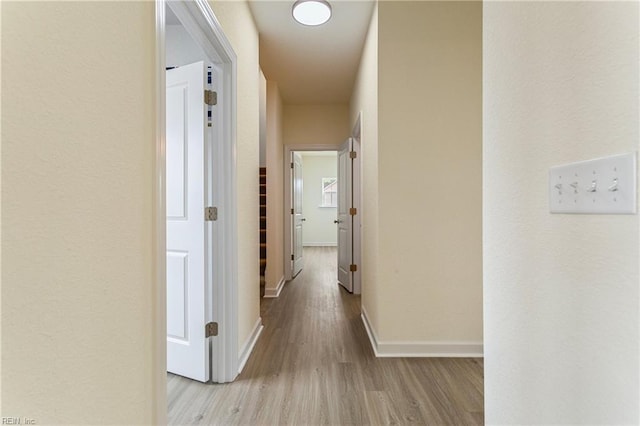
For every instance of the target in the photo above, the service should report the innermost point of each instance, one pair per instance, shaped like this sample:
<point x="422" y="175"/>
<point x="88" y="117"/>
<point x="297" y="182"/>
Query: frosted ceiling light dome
<point x="311" y="12"/>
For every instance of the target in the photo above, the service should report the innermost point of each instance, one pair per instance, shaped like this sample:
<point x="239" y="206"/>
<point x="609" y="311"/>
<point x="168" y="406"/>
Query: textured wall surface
<point x="237" y="23"/>
<point x="275" y="187"/>
<point x="430" y="173"/>
<point x="263" y="120"/>
<point x="561" y="292"/>
<point x="78" y="122"/>
<point x="316" y="124"/>
<point x="364" y="100"/>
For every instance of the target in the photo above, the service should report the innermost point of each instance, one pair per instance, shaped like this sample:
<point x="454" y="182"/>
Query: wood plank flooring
<point x="313" y="365"/>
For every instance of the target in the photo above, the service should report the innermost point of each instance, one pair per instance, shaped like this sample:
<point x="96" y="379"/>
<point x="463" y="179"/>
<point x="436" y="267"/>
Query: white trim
<point x="159" y="332"/>
<point x="249" y="344"/>
<point x="320" y="244"/>
<point x="369" y="330"/>
<point x="200" y="22"/>
<point x="274" y="292"/>
<point x="420" y="349"/>
<point x="288" y="149"/>
<point x="356" y="184"/>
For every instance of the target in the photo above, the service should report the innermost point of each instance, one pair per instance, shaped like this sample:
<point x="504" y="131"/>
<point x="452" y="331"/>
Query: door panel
<point x="298" y="219"/>
<point x="177" y="295"/>
<point x="177" y="110"/>
<point x="345" y="235"/>
<point x="187" y="348"/>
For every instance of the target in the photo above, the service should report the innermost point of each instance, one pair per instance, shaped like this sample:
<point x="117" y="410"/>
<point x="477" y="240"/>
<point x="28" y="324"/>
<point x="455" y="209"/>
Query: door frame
<point x="199" y="20"/>
<point x="344" y="216"/>
<point x="288" y="223"/>
<point x="356" y="134"/>
<point x="297" y="171"/>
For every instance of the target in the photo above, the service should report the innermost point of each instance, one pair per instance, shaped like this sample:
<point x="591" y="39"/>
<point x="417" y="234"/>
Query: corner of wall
<point x="364" y="100"/>
<point x="237" y="21"/>
<point x="429" y="82"/>
<point x="275" y="189"/>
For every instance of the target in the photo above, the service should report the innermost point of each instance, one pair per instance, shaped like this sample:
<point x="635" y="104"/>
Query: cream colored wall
<point x="365" y="100"/>
<point x="275" y="187"/>
<point x="237" y="23"/>
<point x="561" y="84"/>
<point x="316" y="124"/>
<point x="430" y="172"/>
<point x="78" y="120"/>
<point x="262" y="159"/>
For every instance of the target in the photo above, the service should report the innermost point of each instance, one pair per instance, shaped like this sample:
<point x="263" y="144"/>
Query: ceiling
<point x="312" y="65"/>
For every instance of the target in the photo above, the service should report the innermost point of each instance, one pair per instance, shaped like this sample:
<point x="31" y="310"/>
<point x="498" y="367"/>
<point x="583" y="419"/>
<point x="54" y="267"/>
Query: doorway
<point x="320" y="207"/>
<point x="319" y="198"/>
<point x="314" y="203"/>
<point x="189" y="33"/>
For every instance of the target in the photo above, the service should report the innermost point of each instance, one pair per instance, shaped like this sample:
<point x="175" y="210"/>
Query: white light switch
<point x="601" y="186"/>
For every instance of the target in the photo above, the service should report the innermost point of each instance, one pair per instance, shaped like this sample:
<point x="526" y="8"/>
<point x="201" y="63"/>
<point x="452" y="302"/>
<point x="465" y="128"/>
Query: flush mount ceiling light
<point x="311" y="12"/>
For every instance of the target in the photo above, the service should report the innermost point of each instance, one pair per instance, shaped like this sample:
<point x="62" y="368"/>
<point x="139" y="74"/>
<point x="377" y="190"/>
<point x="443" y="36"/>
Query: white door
<point x="187" y="348"/>
<point x="345" y="223"/>
<point x="298" y="219"/>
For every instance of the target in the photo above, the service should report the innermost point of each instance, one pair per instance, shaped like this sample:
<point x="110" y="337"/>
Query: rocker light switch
<point x="601" y="186"/>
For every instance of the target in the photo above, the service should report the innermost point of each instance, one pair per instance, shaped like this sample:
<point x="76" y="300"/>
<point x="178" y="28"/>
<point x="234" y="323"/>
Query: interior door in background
<point x="187" y="348"/>
<point x="298" y="219"/>
<point x="344" y="220"/>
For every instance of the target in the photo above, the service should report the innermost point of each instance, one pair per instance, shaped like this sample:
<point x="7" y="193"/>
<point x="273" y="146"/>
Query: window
<point x="329" y="192"/>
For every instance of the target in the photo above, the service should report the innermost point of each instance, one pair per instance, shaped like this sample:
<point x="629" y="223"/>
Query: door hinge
<point x="211" y="329"/>
<point x="292" y="165"/>
<point x="210" y="97"/>
<point x="291" y="211"/>
<point x="353" y="268"/>
<point x="210" y="214"/>
<point x="293" y="257"/>
<point x="353" y="211"/>
<point x="353" y="154"/>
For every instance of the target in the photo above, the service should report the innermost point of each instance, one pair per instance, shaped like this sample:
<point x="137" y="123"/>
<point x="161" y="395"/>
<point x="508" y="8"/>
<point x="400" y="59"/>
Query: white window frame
<point x="322" y="188"/>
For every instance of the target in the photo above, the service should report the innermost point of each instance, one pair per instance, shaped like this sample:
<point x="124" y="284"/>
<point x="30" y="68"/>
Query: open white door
<point x="345" y="222"/>
<point x="187" y="348"/>
<point x="298" y="219"/>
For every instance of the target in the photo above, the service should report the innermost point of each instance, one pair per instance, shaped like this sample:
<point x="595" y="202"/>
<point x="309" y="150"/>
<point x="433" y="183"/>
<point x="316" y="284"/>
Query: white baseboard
<point x="274" y="292"/>
<point x="420" y="349"/>
<point x="320" y="244"/>
<point x="249" y="344"/>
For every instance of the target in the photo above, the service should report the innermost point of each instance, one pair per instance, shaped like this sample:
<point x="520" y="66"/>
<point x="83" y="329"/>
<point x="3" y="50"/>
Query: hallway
<point x="313" y="365"/>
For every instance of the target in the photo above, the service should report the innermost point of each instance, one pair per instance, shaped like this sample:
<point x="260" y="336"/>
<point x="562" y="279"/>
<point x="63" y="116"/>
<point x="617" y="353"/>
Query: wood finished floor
<point x="313" y="365"/>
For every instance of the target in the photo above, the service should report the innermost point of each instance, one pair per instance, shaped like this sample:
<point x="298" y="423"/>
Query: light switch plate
<point x="602" y="186"/>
